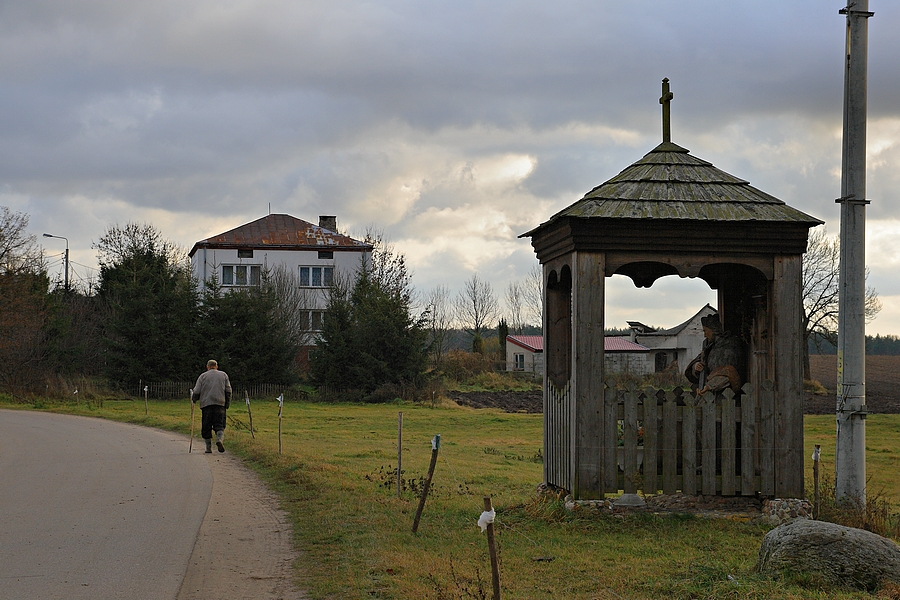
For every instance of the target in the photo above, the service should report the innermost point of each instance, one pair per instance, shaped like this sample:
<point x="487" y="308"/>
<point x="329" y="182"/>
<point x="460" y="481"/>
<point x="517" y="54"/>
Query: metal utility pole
<point x="850" y="460"/>
<point x="66" y="276"/>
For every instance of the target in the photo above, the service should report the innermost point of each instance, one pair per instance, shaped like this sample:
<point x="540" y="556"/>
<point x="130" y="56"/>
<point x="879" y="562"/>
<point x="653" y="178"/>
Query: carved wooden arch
<point x="645" y="268"/>
<point x="559" y="325"/>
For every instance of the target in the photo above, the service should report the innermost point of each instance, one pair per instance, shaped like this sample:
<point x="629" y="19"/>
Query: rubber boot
<point x="208" y="445"/>
<point x="220" y="437"/>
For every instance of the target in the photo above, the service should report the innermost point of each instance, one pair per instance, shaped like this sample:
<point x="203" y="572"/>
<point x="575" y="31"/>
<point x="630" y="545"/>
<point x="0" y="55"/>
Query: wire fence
<point x="177" y="390"/>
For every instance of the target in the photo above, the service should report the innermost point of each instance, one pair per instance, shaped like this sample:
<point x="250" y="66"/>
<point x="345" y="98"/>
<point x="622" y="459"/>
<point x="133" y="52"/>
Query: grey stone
<point x="630" y="500"/>
<point x="840" y="555"/>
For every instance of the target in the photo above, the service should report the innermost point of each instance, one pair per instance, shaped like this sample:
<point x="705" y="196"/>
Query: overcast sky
<point x="451" y="126"/>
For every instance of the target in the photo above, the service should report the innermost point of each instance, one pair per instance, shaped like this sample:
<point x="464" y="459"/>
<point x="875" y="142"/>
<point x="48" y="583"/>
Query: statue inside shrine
<point x="721" y="362"/>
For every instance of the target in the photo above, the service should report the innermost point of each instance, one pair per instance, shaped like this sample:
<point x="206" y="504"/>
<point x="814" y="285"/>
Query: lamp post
<point x="66" y="278"/>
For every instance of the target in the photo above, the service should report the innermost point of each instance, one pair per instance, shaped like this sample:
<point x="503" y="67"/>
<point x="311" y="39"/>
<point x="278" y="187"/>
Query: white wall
<point x="636" y="363"/>
<point x="207" y="261"/>
<point x="534" y="361"/>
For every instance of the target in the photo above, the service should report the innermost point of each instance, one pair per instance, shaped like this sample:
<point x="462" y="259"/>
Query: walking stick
<point x="191" y="445"/>
<point x="247" y="400"/>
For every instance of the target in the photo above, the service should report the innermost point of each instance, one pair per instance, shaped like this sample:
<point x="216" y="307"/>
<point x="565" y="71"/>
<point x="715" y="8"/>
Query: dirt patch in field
<point x="882" y="389"/>
<point x="882" y="384"/>
<point x="521" y="402"/>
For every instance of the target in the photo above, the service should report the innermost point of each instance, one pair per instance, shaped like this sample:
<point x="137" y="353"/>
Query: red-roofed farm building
<point x="526" y="353"/>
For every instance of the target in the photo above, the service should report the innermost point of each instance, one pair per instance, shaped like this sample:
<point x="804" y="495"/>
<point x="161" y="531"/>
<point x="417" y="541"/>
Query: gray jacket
<point x="212" y="388"/>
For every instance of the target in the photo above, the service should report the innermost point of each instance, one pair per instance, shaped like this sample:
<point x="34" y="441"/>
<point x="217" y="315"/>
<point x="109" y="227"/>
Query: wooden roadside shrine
<point x="671" y="213"/>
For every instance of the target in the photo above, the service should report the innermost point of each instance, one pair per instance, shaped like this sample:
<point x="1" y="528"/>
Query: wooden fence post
<point x="815" y="458"/>
<point x="399" y="450"/>
<point x="280" y="411"/>
<point x="435" y="446"/>
<point x="249" y="414"/>
<point x="492" y="550"/>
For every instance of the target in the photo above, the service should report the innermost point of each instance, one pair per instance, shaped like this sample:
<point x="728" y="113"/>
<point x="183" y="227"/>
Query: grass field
<point x="336" y="479"/>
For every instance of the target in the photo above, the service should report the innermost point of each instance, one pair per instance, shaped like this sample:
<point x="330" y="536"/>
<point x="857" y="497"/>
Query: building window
<point x="236" y="275"/>
<point x="518" y="362"/>
<point x="662" y="361"/>
<point x="245" y="253"/>
<point x="312" y="320"/>
<point x="316" y="276"/>
<point x="326" y="254"/>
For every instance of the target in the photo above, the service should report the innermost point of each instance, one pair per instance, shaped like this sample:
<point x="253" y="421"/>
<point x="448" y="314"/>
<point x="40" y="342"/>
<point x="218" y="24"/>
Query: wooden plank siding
<point x="788" y="341"/>
<point x="587" y="350"/>
<point x="669" y="441"/>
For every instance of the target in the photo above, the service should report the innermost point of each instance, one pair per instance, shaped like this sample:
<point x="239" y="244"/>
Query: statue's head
<point x="712" y="323"/>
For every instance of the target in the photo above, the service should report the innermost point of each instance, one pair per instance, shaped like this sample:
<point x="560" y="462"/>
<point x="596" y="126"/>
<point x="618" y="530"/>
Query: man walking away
<point x="213" y="392"/>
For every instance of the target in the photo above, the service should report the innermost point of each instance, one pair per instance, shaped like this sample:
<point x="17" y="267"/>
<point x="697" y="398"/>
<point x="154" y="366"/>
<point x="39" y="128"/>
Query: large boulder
<point x="840" y="555"/>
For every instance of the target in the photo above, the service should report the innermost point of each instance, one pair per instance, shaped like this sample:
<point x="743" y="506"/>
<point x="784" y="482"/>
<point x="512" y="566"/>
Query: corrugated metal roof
<point x="535" y="343"/>
<point x="668" y="183"/>
<point x="281" y="232"/>
<point x="620" y="344"/>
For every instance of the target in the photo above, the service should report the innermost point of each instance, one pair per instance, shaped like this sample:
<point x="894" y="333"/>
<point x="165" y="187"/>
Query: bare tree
<point x="23" y="310"/>
<point x="119" y="243"/>
<point x="477" y="309"/>
<point x="515" y="306"/>
<point x="533" y="290"/>
<point x="295" y="306"/>
<point x="438" y="312"/>
<point x="821" y="267"/>
<point x="17" y="248"/>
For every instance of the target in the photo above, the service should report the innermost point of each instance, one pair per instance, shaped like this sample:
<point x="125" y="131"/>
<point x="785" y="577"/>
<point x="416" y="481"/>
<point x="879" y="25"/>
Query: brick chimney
<point x="328" y="222"/>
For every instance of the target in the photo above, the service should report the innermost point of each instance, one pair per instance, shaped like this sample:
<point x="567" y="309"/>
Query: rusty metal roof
<point x="282" y="232"/>
<point x="670" y="184"/>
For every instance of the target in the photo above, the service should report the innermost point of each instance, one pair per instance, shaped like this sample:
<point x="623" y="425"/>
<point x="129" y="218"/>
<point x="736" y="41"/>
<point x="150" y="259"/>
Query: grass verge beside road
<point x="337" y="480"/>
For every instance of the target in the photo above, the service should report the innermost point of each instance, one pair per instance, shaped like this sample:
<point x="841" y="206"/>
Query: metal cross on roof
<point x="666" y="100"/>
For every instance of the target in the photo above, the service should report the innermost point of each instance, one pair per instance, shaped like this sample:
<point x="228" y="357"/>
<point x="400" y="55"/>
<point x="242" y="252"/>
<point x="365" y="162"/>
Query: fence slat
<point x="689" y="446"/>
<point x="767" y="439"/>
<point x="749" y="443"/>
<point x="670" y="444"/>
<point x="708" y="448"/>
<point x="651" y="428"/>
<point x="610" y="438"/>
<point x="629" y="430"/>
<point x="729" y="448"/>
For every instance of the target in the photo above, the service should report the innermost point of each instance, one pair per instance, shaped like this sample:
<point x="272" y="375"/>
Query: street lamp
<point x="67" y="257"/>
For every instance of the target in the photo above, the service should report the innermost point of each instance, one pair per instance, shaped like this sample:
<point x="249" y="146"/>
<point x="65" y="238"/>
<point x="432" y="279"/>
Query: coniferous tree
<point x="149" y="303"/>
<point x="370" y="336"/>
<point x="240" y="330"/>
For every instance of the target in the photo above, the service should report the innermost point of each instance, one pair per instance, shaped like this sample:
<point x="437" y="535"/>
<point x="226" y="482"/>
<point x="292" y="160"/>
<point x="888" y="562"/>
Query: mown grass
<point x="336" y="479"/>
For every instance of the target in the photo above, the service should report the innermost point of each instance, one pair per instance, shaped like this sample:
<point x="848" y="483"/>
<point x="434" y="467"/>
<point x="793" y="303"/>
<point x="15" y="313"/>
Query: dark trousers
<point x="213" y="420"/>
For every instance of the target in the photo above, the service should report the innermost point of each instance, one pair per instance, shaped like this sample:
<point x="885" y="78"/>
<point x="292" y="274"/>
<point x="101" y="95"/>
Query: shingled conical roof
<point x="669" y="183"/>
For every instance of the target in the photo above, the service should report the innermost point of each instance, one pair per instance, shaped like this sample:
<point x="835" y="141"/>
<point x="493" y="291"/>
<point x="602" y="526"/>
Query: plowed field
<point x="882" y="384"/>
<point x="882" y="389"/>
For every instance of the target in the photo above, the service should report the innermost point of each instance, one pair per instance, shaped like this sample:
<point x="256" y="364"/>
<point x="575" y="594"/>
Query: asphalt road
<point x="95" y="509"/>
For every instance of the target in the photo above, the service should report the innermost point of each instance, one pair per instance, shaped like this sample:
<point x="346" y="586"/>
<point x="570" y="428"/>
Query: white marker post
<point x="280" y="411"/>
<point x="249" y="414"/>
